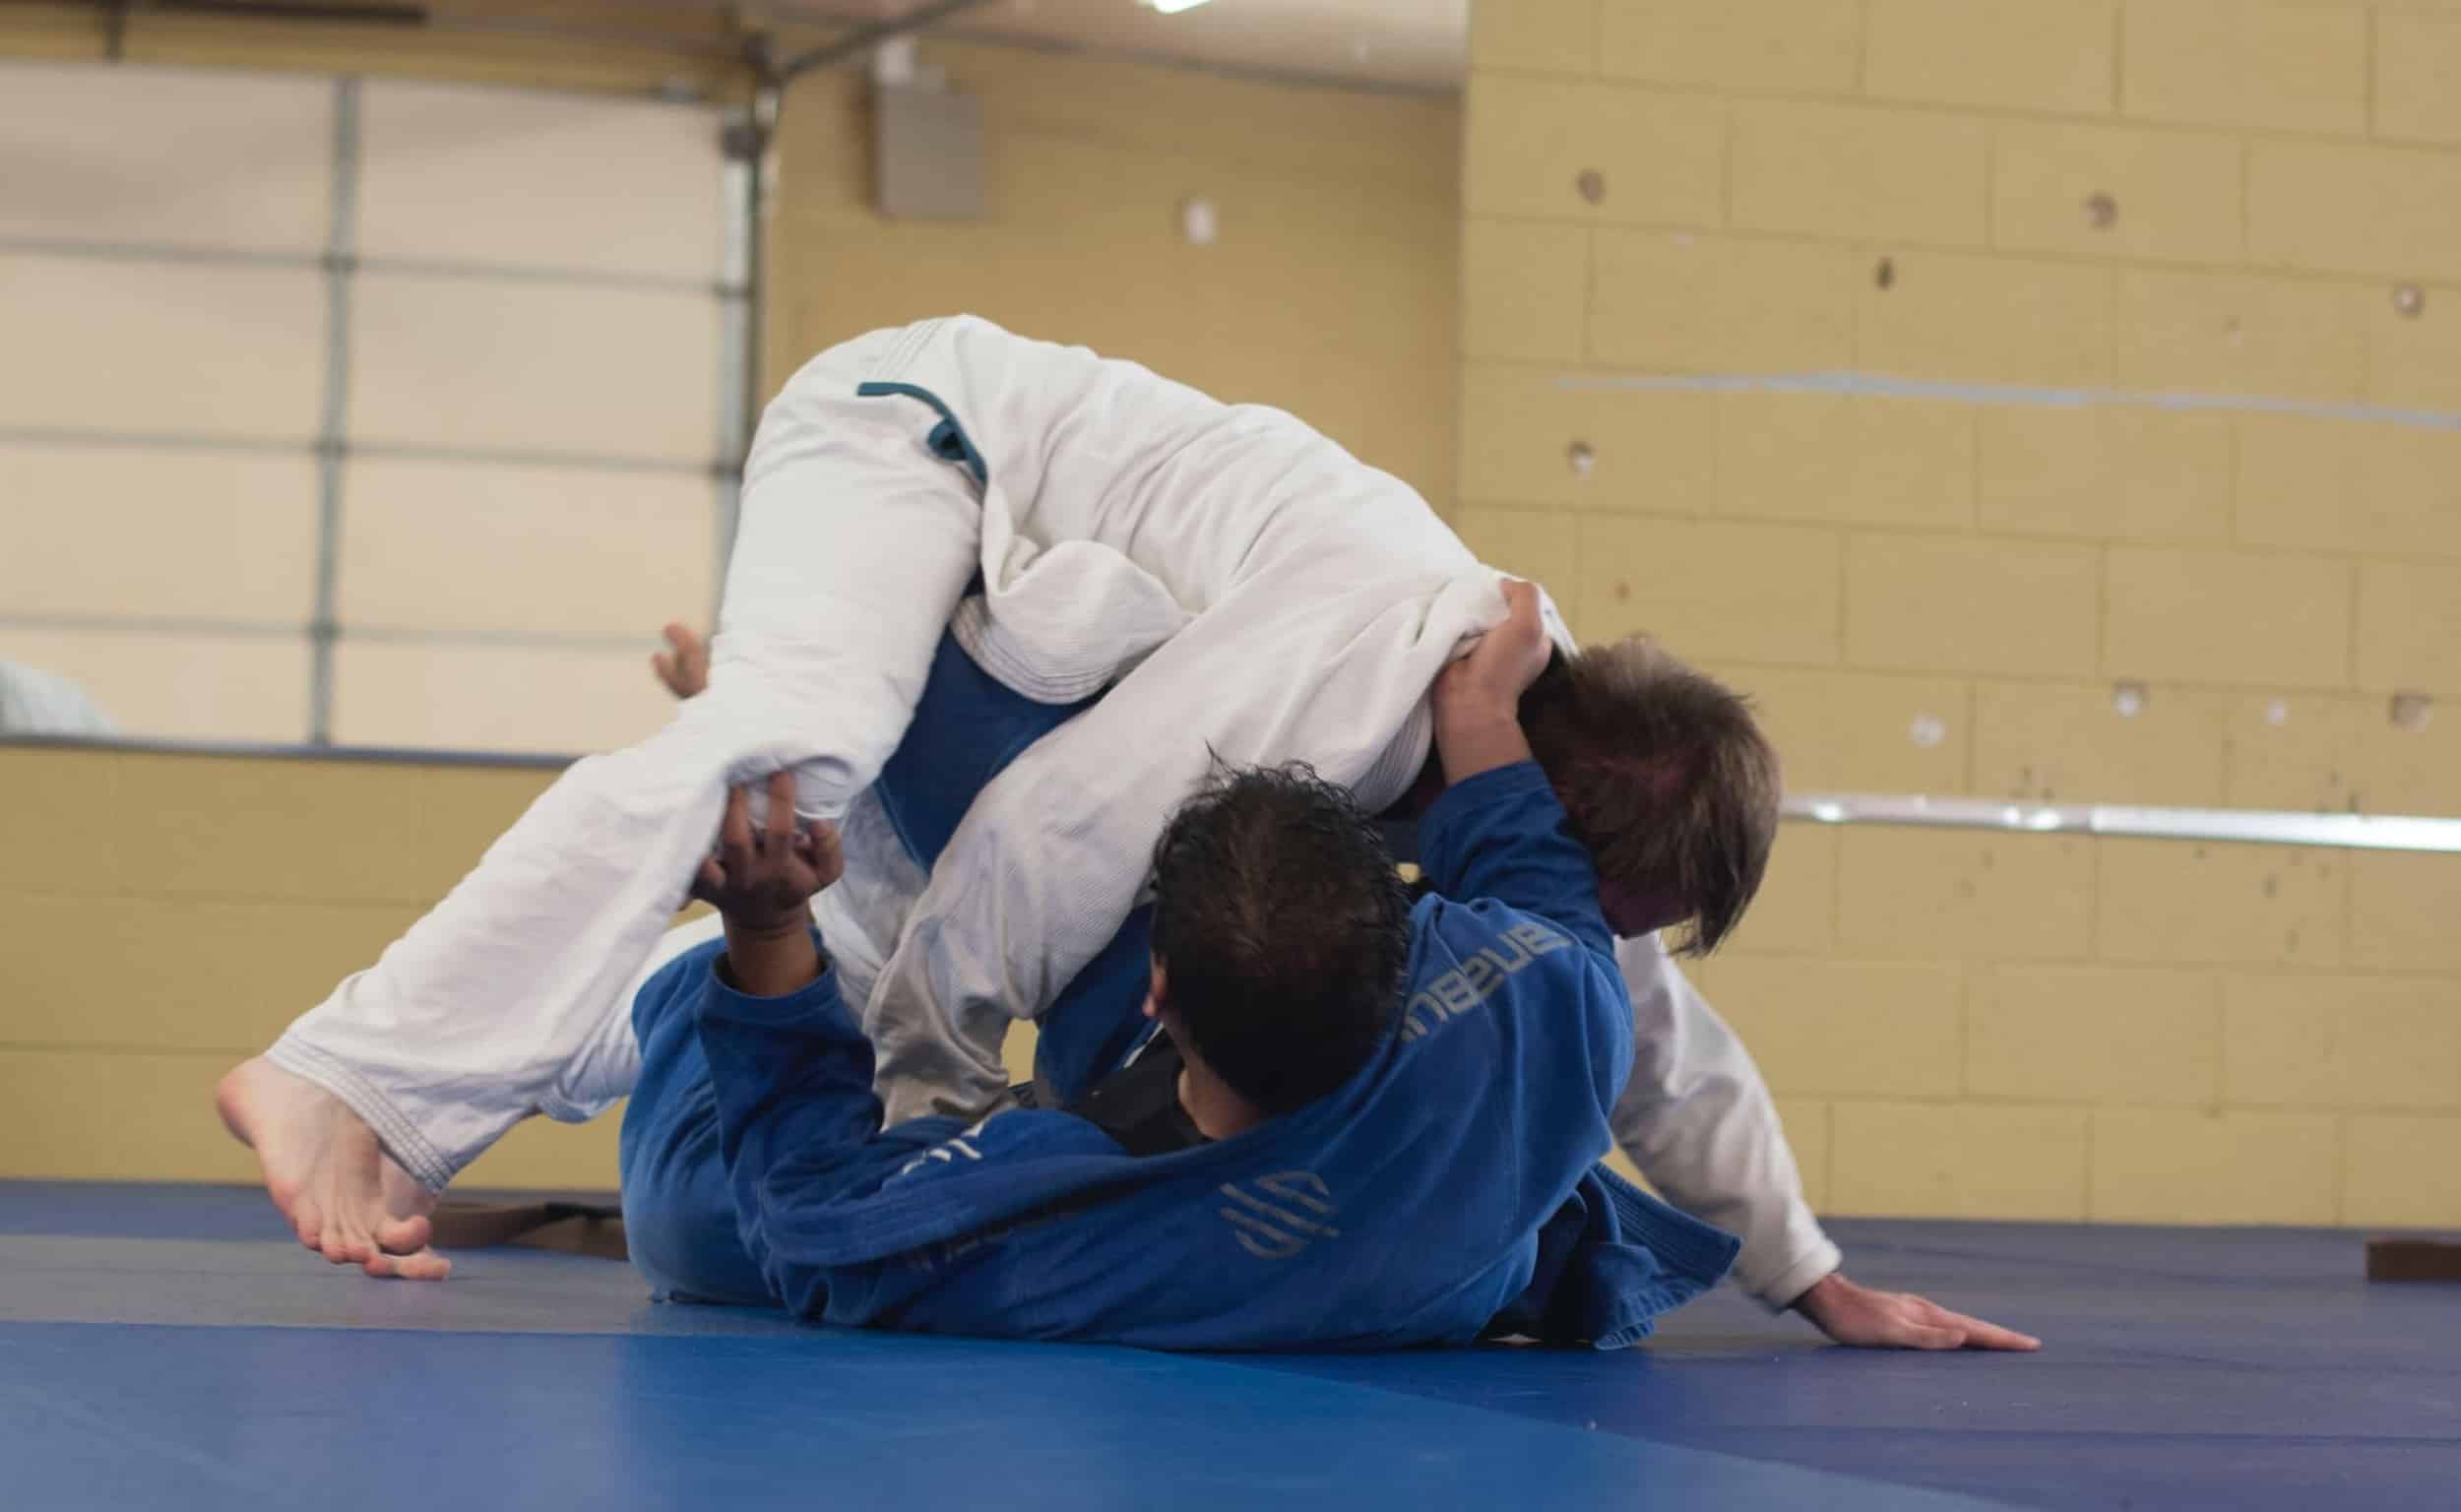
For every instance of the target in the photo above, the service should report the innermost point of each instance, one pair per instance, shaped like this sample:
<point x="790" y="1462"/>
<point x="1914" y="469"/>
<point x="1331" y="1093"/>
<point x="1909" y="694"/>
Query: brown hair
<point x="1665" y="774"/>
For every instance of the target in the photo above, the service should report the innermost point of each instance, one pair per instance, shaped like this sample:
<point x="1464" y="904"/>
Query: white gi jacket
<point x="1249" y="591"/>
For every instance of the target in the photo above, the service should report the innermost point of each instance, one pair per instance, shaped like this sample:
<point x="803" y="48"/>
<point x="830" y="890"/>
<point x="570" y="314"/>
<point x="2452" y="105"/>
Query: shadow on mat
<point x="567" y="1227"/>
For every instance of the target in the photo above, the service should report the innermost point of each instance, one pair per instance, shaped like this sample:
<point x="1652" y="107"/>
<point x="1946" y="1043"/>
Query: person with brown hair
<point x="949" y="501"/>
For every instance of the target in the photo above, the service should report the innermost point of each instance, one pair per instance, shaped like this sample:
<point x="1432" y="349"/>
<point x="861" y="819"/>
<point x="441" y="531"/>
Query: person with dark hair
<point x="1111" y="577"/>
<point x="1361" y="1124"/>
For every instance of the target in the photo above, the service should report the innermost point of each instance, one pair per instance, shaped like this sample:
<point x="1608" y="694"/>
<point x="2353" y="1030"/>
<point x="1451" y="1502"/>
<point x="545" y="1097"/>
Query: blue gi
<point x="1448" y="1190"/>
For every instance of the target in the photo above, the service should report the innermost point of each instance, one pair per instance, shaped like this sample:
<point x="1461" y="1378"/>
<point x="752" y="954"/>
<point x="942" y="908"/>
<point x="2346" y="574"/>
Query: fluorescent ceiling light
<point x="1174" y="7"/>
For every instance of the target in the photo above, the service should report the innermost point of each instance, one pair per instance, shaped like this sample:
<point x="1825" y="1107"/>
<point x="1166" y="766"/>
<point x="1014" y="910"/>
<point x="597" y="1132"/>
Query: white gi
<point x="1245" y="588"/>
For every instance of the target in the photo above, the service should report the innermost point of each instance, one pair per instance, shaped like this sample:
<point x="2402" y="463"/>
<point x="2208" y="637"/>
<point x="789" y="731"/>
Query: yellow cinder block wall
<point x="162" y="916"/>
<point x="2226" y="198"/>
<point x="1330" y="292"/>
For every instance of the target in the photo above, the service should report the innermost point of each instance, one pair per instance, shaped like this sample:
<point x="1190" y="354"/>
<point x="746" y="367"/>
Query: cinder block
<point x="2418" y="77"/>
<point x="1661" y="159"/>
<point x="1092" y="97"/>
<point x="544" y="1156"/>
<point x="181" y="975"/>
<point x="2400" y="1172"/>
<point x="1824" y="1028"/>
<point x="60" y="837"/>
<point x="1407" y="423"/>
<point x="2342" y="755"/>
<point x="1965" y="895"/>
<point x="2070" y="742"/>
<point x="2052" y="55"/>
<point x="2206" y="333"/>
<point x="120" y="1116"/>
<point x="1537" y="36"/>
<point x="1523" y="434"/>
<point x="1537" y="545"/>
<point x="1806" y="46"/>
<point x="315" y="831"/>
<point x="465" y="809"/>
<point x="1740" y="593"/>
<point x="2298" y="752"/>
<point x="1837" y="458"/>
<point x="2104" y="472"/>
<point x="1806" y="1125"/>
<point x="2414" y="361"/>
<point x="1524" y="290"/>
<point x="1930" y="1160"/>
<point x="2093" y="1035"/>
<point x="2166" y="1165"/>
<point x="2378" y="210"/>
<point x="2401" y="910"/>
<point x="1795" y="911"/>
<point x="1861" y="731"/>
<point x="1847" y="171"/>
<point x="2175" y="196"/>
<point x="2407" y="769"/>
<point x="2342" y="1041"/>
<point x="1941" y="605"/>
<point x="2410" y="626"/>
<point x="1987" y="320"/>
<point x="1722" y="304"/>
<point x="2228" y="617"/>
<point x="2219" y="903"/>
<point x="2347" y="485"/>
<point x="2246" y="63"/>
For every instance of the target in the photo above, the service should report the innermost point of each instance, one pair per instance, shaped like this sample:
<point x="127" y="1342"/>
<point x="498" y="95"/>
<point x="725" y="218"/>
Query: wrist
<point x="1820" y="1295"/>
<point x="770" y="961"/>
<point x="1474" y="740"/>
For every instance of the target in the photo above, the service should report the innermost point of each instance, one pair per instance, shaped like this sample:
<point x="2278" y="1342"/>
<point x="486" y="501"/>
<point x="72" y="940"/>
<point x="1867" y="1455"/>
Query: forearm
<point x="790" y="1075"/>
<point x="773" y="961"/>
<point x="1500" y="833"/>
<point x="1475" y="739"/>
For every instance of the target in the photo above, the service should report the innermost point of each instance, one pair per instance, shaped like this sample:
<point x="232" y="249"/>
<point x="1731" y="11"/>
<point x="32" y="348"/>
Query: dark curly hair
<point x="1282" y="929"/>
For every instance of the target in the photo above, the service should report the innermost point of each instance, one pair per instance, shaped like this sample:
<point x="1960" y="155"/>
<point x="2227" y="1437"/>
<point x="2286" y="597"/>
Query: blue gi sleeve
<point x="799" y="1124"/>
<point x="1503" y="835"/>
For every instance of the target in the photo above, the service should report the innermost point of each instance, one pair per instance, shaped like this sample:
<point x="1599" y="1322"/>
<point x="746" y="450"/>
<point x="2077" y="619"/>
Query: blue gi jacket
<point x="1448" y="1190"/>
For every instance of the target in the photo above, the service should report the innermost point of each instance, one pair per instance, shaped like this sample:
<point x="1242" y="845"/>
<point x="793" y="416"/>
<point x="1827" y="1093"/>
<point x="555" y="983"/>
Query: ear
<point x="1156" y="991"/>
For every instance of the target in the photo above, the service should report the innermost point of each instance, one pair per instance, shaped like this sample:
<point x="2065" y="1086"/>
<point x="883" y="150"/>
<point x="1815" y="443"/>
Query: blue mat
<point x="168" y="1345"/>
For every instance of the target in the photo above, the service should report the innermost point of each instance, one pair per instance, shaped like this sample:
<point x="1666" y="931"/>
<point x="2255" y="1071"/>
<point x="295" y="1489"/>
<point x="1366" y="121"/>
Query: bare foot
<point x="326" y="1172"/>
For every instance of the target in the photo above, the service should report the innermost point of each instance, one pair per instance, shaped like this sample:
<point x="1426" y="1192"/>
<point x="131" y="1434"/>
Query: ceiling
<point x="1400" y="43"/>
<point x="1406" y="44"/>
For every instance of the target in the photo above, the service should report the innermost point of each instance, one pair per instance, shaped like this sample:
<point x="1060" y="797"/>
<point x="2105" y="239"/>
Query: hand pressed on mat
<point x="1899" y="1320"/>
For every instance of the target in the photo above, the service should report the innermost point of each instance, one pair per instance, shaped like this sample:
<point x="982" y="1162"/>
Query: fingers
<point x="1979" y="1335"/>
<point x="1973" y="1333"/>
<point x="828" y="855"/>
<point x="781" y="812"/>
<point x="1922" y="1336"/>
<point x="710" y="882"/>
<point x="734" y="836"/>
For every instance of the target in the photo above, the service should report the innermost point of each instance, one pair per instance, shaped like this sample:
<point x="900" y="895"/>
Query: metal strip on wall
<point x="2363" y="832"/>
<point x="333" y="422"/>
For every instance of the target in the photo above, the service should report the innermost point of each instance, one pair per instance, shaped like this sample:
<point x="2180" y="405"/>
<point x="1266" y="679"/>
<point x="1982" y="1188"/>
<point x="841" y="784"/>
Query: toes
<point x="427" y="1265"/>
<point x="347" y="1246"/>
<point x="423" y="1265"/>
